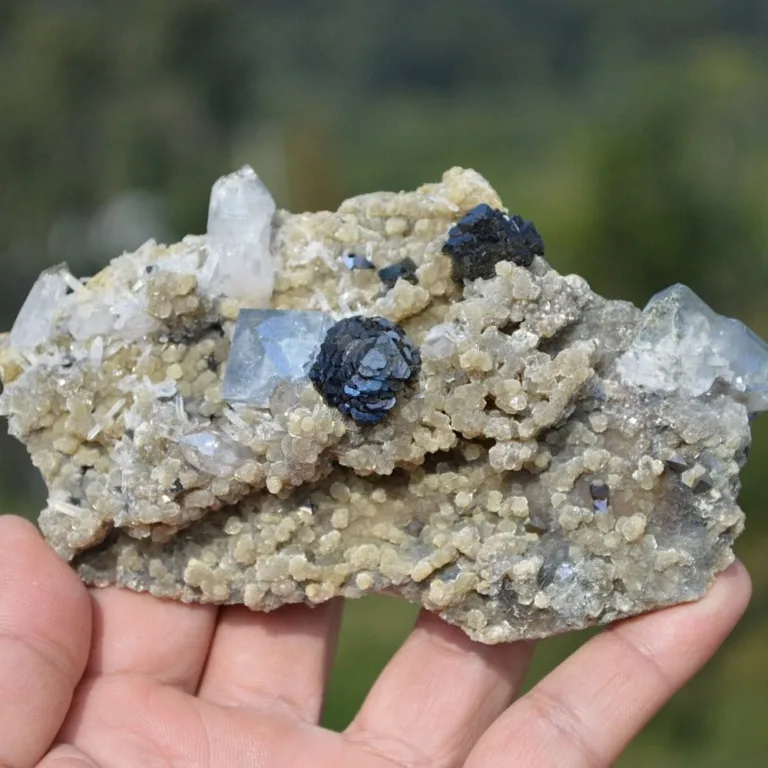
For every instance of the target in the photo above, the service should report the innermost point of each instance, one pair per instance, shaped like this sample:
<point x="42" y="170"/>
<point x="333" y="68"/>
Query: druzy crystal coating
<point x="484" y="237"/>
<point x="271" y="346"/>
<point x="362" y="366"/>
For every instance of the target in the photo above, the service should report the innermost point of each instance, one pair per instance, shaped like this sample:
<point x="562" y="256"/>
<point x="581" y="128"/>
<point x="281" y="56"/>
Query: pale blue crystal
<point x="682" y="345"/>
<point x="271" y="346"/>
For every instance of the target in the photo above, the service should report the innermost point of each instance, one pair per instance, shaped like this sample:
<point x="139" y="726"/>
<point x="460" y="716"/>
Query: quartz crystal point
<point x="239" y="231"/>
<point x="556" y="460"/>
<point x="216" y="454"/>
<point x="36" y="319"/>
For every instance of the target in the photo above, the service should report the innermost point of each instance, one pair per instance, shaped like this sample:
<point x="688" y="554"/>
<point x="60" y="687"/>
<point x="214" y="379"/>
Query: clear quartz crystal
<point x="35" y="321"/>
<point x="271" y="346"/>
<point x="682" y="345"/>
<point x="240" y="262"/>
<point x="213" y="452"/>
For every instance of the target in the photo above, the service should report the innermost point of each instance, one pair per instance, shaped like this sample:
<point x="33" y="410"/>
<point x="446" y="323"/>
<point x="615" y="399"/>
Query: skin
<point x="111" y="678"/>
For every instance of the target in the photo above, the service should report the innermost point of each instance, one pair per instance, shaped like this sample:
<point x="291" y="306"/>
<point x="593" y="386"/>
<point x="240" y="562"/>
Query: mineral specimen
<point x="486" y="236"/>
<point x="557" y="460"/>
<point x="362" y="365"/>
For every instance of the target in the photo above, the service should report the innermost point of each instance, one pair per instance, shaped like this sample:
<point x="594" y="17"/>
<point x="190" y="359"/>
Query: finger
<point x="121" y="721"/>
<point x="45" y="628"/>
<point x="437" y="696"/>
<point x="282" y="658"/>
<point x="141" y="634"/>
<point x="64" y="756"/>
<point x="586" y="711"/>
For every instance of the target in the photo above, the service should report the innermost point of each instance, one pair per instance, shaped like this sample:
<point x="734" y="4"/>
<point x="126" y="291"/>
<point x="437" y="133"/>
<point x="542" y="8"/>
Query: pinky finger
<point x="586" y="711"/>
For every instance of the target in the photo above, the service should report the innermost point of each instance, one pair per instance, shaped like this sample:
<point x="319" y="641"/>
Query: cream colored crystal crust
<point x="475" y="498"/>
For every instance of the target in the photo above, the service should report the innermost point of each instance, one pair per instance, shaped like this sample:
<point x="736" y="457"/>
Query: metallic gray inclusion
<point x="271" y="346"/>
<point x="682" y="345"/>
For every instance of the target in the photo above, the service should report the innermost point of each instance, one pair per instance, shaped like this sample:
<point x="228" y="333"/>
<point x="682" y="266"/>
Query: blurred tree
<point x="651" y="225"/>
<point x="666" y="194"/>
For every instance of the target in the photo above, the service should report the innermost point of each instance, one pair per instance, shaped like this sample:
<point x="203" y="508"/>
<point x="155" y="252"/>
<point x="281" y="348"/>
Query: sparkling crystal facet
<point x="683" y="345"/>
<point x="271" y="346"/>
<point x="239" y="233"/>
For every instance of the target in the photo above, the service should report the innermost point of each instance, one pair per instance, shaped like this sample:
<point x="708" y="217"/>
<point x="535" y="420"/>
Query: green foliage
<point x="632" y="133"/>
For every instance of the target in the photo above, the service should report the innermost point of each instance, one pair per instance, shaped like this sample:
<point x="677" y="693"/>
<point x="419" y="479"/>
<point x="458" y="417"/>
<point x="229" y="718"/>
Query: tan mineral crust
<point x="523" y="485"/>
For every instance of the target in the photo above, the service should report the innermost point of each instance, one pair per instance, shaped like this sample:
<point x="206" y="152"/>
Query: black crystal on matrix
<point x="601" y="494"/>
<point x="486" y="236"/>
<point x="405" y="269"/>
<point x="362" y="366"/>
<point x="356" y="261"/>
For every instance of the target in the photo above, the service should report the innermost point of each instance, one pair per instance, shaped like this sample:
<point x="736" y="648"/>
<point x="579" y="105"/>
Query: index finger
<point x="45" y="631"/>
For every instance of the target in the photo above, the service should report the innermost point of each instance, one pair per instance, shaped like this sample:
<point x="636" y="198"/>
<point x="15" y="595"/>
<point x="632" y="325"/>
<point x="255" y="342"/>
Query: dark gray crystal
<point x="486" y="236"/>
<point x="362" y="365"/>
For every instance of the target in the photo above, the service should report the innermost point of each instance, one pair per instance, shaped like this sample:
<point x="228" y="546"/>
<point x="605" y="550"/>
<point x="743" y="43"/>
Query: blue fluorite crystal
<point x="682" y="345"/>
<point x="271" y="346"/>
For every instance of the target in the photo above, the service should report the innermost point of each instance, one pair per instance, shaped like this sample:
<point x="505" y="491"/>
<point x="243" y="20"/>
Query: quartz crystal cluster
<point x="400" y="395"/>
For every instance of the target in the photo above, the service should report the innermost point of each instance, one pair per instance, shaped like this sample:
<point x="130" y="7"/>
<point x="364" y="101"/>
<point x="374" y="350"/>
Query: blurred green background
<point x="633" y="133"/>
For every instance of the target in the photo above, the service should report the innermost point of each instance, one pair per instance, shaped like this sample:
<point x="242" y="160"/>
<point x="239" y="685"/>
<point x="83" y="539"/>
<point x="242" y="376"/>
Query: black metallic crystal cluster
<point x="486" y="236"/>
<point x="405" y="269"/>
<point x="362" y="365"/>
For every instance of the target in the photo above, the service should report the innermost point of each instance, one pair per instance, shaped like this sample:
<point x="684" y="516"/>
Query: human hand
<point x="112" y="678"/>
